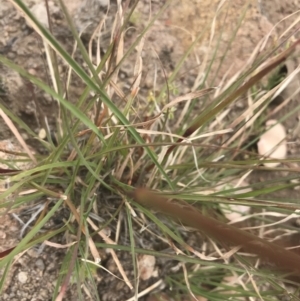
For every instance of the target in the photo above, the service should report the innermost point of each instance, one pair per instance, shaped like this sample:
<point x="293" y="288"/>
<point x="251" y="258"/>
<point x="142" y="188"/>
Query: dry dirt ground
<point x="34" y="273"/>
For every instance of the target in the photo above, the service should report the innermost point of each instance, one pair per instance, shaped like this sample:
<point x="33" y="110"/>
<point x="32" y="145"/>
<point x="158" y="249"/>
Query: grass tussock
<point x="115" y="154"/>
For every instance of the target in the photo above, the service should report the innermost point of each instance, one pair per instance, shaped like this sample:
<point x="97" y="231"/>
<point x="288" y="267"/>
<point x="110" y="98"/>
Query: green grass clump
<point x="105" y="150"/>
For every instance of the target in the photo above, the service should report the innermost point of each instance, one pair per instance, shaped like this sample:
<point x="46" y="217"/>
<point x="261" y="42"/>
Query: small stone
<point x="32" y="71"/>
<point x="24" y="136"/>
<point x="103" y="2"/>
<point x="272" y="144"/>
<point x="33" y="253"/>
<point x="2" y="234"/>
<point x="42" y="133"/>
<point x="146" y="266"/>
<point x="11" y="55"/>
<point x="40" y="264"/>
<point x="14" y="228"/>
<point x="297" y="222"/>
<point x="22" y="277"/>
<point x="40" y="12"/>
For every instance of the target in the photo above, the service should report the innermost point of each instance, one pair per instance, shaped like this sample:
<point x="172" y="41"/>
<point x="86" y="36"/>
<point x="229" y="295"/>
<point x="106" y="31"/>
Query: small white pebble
<point x="146" y="265"/>
<point x="40" y="12"/>
<point x="22" y="277"/>
<point x="42" y="133"/>
<point x="272" y="143"/>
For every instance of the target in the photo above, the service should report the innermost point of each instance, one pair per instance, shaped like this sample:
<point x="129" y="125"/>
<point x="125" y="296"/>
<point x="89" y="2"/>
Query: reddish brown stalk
<point x="6" y="252"/>
<point x="221" y="232"/>
<point x="9" y="172"/>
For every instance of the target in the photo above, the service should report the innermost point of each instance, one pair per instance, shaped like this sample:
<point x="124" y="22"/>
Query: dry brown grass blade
<point x="18" y="136"/>
<point x="112" y="252"/>
<point x="226" y="234"/>
<point x="92" y="244"/>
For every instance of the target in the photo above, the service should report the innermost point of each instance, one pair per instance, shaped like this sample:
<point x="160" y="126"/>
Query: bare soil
<point x="34" y="273"/>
